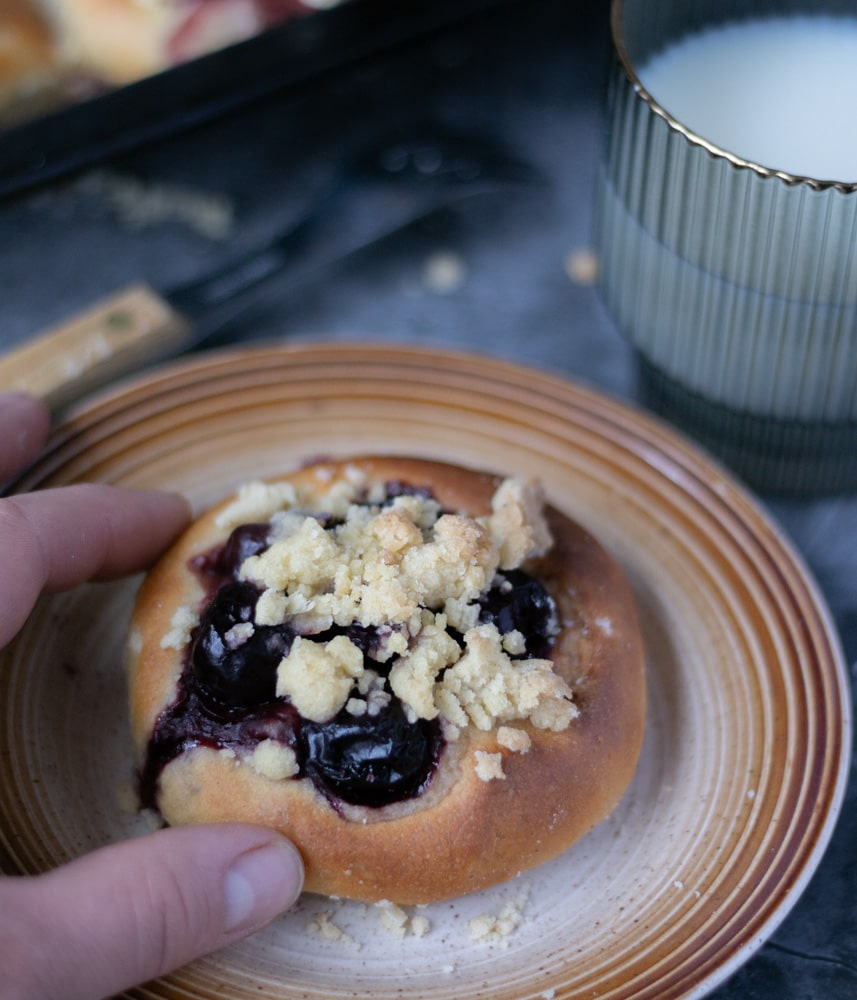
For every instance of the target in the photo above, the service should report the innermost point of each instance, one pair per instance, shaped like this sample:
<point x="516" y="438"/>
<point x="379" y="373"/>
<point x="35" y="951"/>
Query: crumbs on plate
<point x="486" y="928"/>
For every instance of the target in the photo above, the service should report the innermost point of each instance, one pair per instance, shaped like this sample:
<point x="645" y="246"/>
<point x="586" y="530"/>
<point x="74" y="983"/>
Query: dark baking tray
<point x="289" y="56"/>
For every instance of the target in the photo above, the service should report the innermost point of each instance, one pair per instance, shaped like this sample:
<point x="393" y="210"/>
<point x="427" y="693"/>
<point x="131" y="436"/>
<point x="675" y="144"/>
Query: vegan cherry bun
<point x="424" y="675"/>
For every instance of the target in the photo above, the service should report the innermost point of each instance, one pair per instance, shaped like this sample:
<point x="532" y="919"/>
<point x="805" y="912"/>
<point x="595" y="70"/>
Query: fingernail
<point x="262" y="884"/>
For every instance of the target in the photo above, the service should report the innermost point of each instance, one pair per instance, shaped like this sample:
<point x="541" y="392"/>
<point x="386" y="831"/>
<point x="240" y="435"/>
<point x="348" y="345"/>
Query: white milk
<point x="778" y="91"/>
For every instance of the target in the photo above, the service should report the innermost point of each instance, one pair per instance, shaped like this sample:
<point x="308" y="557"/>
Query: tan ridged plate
<point x="745" y="759"/>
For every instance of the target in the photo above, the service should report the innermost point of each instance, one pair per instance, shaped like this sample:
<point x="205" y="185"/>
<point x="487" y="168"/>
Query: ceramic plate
<point x="744" y="763"/>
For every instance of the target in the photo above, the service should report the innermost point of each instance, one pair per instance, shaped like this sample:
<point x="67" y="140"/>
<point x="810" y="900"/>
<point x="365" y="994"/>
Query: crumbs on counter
<point x="139" y="204"/>
<point x="444" y="272"/>
<point x="581" y="266"/>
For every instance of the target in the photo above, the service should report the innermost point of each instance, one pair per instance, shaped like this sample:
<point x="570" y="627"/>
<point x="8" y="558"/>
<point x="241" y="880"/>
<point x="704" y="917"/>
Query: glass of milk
<point x="727" y="228"/>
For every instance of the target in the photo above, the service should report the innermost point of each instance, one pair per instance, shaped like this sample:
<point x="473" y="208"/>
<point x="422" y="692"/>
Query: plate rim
<point x="626" y="420"/>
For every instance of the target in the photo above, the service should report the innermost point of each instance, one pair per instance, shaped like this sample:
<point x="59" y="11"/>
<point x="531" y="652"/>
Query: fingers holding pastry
<point x="55" y="539"/>
<point x="133" y="911"/>
<point x="24" y="423"/>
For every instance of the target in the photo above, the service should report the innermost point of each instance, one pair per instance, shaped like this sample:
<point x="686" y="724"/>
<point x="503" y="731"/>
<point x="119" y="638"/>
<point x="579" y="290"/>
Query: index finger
<point x="55" y="539"/>
<point x="24" y="425"/>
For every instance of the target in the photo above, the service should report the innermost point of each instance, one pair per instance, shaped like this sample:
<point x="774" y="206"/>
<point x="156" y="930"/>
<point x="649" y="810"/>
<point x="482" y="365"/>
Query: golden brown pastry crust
<point x="464" y="833"/>
<point x="30" y="68"/>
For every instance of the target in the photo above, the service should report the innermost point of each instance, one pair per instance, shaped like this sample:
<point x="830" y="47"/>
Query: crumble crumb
<point x="581" y="266"/>
<point x="497" y="927"/>
<point x="413" y="573"/>
<point x="183" y="622"/>
<point x="135" y="642"/>
<point x="398" y="923"/>
<point x="274" y="607"/>
<point x="370" y="680"/>
<point x="355" y="475"/>
<point x="318" y="676"/>
<point x="239" y="634"/>
<point x="274" y="760"/>
<point x="444" y="272"/>
<point x="271" y="607"/>
<point x="322" y="924"/>
<point x="485" y="687"/>
<point x="517" y="523"/>
<point x="420" y="926"/>
<point x="256" y="502"/>
<point x="382" y="566"/>
<point x="516" y="740"/>
<point x="413" y="676"/>
<point x="377" y="701"/>
<point x="489" y="766"/>
<point x="324" y="473"/>
<point x="514" y="643"/>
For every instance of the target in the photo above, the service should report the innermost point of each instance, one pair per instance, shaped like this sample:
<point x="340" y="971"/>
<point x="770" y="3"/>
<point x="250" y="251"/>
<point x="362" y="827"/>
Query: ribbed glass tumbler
<point x="735" y="282"/>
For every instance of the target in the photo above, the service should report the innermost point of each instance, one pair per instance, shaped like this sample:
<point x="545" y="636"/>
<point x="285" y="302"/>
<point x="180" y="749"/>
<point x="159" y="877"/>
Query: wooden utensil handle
<point x="132" y="328"/>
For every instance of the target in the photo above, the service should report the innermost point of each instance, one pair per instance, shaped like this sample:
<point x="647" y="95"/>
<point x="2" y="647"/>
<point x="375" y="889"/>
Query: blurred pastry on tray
<point x="54" y="51"/>
<point x="31" y="70"/>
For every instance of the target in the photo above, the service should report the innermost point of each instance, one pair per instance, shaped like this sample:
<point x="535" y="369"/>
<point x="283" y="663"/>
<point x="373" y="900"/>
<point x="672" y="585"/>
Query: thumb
<point x="136" y="910"/>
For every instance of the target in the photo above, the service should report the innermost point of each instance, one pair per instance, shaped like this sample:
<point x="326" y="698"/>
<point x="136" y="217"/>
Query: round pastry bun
<point x="463" y="833"/>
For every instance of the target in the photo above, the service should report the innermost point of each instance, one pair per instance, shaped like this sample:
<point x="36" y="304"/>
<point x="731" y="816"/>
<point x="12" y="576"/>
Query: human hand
<point x="135" y="910"/>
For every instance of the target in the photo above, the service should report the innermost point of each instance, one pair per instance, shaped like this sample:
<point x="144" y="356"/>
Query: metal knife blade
<point x="379" y="192"/>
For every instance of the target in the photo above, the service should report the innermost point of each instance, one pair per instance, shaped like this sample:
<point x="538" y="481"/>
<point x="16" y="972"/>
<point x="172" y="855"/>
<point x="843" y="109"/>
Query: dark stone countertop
<point x="496" y="274"/>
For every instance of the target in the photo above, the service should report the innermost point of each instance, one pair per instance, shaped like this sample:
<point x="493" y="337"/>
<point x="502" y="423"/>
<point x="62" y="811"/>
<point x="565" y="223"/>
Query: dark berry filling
<point x="227" y="692"/>
<point x="237" y="669"/>
<point x="194" y="720"/>
<point x="370" y="760"/>
<point x="519" y="602"/>
<point x="225" y="561"/>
